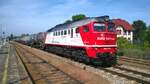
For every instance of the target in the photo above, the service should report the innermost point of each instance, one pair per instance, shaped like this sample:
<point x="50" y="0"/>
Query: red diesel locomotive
<point x="91" y="40"/>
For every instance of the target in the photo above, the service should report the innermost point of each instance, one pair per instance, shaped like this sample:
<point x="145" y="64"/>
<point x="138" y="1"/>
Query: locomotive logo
<point x="105" y="38"/>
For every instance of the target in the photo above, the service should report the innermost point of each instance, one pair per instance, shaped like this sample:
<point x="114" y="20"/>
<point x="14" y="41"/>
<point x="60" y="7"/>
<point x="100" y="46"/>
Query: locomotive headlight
<point x="111" y="52"/>
<point x="101" y="35"/>
<point x="96" y="48"/>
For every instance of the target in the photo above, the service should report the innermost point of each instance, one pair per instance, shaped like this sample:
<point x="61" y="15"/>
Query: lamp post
<point x="4" y="39"/>
<point x="0" y="35"/>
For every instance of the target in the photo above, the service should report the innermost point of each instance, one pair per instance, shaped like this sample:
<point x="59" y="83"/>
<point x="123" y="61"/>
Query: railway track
<point x="75" y="73"/>
<point x="41" y="72"/>
<point x="136" y="61"/>
<point x="127" y="73"/>
<point x="122" y="72"/>
<point x="137" y="76"/>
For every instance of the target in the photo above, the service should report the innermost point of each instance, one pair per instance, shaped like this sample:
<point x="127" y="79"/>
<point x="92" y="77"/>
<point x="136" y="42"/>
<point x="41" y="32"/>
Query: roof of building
<point x="123" y="23"/>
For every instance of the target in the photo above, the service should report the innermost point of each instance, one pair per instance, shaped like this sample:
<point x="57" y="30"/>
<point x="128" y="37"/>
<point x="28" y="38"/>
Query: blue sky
<point x="33" y="16"/>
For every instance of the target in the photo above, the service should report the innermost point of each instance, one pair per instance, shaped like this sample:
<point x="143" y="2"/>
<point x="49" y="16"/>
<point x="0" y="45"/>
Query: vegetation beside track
<point x="132" y="50"/>
<point x="140" y="46"/>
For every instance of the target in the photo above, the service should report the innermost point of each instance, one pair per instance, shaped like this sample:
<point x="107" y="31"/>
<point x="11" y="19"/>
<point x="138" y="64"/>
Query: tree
<point x="78" y="17"/>
<point x="68" y="21"/>
<point x="139" y="31"/>
<point x="22" y="35"/>
<point x="148" y="36"/>
<point x="148" y="33"/>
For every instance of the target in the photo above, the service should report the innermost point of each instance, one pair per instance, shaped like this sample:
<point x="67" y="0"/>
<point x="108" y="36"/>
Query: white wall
<point x="126" y="34"/>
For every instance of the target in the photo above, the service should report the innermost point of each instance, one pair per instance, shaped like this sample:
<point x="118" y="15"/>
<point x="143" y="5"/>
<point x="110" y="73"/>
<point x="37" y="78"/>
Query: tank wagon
<point x="26" y="40"/>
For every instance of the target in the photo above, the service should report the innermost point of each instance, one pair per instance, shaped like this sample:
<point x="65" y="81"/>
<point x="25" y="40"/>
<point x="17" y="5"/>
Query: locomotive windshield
<point x="99" y="27"/>
<point x="111" y="27"/>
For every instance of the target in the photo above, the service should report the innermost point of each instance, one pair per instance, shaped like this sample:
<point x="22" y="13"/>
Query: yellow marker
<point x="4" y="80"/>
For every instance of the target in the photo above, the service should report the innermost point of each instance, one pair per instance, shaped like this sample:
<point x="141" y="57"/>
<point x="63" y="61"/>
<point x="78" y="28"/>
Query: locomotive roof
<point x="78" y="23"/>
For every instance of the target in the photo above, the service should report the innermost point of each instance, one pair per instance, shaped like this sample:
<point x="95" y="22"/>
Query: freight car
<point x="26" y="40"/>
<point x="37" y="40"/>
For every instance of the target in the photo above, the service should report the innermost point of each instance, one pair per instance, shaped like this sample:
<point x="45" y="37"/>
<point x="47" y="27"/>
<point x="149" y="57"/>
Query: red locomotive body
<point x="90" y="39"/>
<point x="100" y="39"/>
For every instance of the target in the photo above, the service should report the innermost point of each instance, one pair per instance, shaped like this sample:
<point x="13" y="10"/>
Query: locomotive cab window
<point x="111" y="27"/>
<point x="86" y="29"/>
<point x="99" y="27"/>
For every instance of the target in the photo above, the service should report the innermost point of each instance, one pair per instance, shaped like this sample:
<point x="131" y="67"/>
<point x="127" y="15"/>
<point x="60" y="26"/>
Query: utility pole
<point x="0" y="35"/>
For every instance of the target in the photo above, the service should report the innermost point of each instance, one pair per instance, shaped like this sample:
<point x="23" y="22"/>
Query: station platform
<point x="12" y="70"/>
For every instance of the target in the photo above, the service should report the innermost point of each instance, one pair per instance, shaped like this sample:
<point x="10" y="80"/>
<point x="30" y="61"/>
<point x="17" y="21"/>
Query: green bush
<point x="123" y="43"/>
<point x="126" y="48"/>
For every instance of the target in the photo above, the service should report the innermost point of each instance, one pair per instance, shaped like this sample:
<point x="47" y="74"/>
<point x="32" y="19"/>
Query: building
<point x="124" y="29"/>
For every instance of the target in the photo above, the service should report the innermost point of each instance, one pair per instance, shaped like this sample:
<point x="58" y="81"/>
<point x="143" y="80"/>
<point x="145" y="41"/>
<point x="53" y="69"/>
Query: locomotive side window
<point x="61" y="32"/>
<point x="53" y="33"/>
<point x="86" y="29"/>
<point x="71" y="33"/>
<point x="65" y="32"/>
<point x="99" y="27"/>
<point x="68" y="31"/>
<point x="77" y="30"/>
<point x="56" y="33"/>
<point x="111" y="27"/>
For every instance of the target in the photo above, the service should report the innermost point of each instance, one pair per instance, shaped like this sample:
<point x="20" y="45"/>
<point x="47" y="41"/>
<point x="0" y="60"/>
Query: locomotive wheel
<point x="107" y="61"/>
<point x="96" y="62"/>
<point x="87" y="61"/>
<point x="113" y="61"/>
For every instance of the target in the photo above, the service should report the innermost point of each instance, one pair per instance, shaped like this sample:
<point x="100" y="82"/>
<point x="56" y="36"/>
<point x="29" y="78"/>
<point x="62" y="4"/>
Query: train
<point x="90" y="40"/>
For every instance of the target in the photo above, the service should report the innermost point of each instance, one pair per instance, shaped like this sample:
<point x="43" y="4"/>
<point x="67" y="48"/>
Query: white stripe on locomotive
<point x="76" y="40"/>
